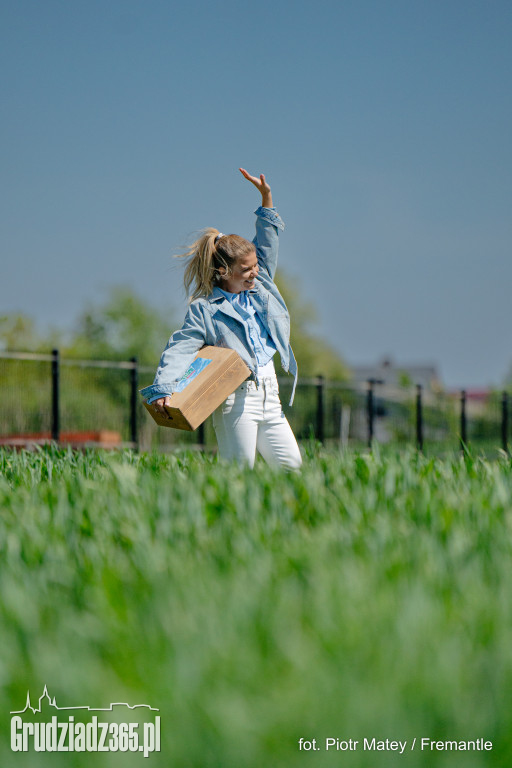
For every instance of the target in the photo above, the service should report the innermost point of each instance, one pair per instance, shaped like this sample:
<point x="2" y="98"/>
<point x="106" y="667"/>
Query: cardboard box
<point x="214" y="374"/>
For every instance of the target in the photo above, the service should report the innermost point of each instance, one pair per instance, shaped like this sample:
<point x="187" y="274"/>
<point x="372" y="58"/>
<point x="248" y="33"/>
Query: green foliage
<point x="91" y="399"/>
<point x="121" y="327"/>
<point x="404" y="380"/>
<point x="18" y="333"/>
<point x="366" y="595"/>
<point x="314" y="355"/>
<point x="124" y="325"/>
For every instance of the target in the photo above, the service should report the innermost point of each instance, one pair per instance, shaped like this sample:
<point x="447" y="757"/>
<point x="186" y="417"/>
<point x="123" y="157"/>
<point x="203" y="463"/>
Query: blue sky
<point x="383" y="127"/>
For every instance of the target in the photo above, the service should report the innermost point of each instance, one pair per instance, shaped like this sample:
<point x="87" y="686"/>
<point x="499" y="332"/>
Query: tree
<point x="117" y="329"/>
<point x="122" y="327"/>
<point x="314" y="355"/>
<point x="18" y="333"/>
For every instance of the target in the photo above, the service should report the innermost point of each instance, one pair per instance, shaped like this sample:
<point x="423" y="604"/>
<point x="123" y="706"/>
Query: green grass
<point x="367" y="595"/>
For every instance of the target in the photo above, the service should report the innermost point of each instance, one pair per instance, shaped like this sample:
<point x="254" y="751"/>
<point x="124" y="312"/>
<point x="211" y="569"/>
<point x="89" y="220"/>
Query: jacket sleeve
<point x="179" y="353"/>
<point x="266" y="242"/>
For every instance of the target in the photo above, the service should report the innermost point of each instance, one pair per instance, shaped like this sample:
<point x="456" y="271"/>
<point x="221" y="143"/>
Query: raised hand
<point x="261" y="185"/>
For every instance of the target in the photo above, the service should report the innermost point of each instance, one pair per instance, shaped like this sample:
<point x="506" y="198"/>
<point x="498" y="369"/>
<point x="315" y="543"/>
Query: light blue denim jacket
<point x="213" y="321"/>
<point x="262" y="345"/>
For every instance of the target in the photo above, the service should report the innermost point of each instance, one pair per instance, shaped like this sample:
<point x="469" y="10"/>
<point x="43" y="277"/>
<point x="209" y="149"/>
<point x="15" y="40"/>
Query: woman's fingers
<point x="159" y="404"/>
<point x="253" y="179"/>
<point x="260" y="184"/>
<point x="264" y="184"/>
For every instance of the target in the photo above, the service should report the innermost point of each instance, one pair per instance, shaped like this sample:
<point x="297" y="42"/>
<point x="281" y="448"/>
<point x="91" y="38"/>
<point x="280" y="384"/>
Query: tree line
<point x="125" y="325"/>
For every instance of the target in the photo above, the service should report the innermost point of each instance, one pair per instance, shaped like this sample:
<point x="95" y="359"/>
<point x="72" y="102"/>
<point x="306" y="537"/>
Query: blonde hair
<point x="206" y="255"/>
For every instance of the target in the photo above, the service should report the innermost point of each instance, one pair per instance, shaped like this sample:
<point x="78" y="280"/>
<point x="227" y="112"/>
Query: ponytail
<point x="206" y="255"/>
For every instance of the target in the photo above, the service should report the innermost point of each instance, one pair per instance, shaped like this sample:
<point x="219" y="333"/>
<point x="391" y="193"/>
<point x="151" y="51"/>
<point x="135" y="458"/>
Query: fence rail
<point x="44" y="396"/>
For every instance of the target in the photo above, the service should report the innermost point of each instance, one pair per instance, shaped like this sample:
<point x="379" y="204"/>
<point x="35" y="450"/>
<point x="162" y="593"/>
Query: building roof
<point x="390" y="374"/>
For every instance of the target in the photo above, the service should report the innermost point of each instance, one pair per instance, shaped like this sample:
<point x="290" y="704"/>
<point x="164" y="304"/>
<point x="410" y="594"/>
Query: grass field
<point x="368" y="596"/>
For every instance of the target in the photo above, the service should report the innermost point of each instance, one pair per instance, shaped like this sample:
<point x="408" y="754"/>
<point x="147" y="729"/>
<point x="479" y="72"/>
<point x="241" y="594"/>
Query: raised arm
<point x="268" y="224"/>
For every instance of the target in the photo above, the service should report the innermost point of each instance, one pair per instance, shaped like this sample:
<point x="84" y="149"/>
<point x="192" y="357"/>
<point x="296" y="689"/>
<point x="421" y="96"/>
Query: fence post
<point x="504" y="421"/>
<point x="134" y="383"/>
<point x="370" y="411"/>
<point x="320" y="408"/>
<point x="419" y="418"/>
<point x="201" y="436"/>
<point x="55" y="395"/>
<point x="463" y="421"/>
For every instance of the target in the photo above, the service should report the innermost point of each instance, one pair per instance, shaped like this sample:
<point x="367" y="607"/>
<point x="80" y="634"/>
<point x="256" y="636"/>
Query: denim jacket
<point x="213" y="321"/>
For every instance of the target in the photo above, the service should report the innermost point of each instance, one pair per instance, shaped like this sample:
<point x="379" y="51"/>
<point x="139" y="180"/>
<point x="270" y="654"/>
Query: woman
<point x="235" y="303"/>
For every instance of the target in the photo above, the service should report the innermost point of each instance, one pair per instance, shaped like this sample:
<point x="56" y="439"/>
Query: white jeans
<point x="252" y="419"/>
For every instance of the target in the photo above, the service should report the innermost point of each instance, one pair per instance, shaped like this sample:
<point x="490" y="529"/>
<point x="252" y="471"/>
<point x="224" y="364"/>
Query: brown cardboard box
<point x="205" y="390"/>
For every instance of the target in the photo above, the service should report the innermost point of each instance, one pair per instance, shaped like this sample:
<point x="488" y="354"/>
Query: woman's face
<point x="244" y="272"/>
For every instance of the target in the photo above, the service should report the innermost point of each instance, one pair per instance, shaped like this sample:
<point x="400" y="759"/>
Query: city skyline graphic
<point x="53" y="703"/>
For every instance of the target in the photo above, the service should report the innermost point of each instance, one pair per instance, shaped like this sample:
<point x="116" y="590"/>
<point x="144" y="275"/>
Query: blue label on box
<point x="197" y="366"/>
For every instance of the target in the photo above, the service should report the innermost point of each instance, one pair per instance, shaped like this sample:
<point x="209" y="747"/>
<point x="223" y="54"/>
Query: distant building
<point x="477" y="401"/>
<point x="398" y="380"/>
<point x="394" y="386"/>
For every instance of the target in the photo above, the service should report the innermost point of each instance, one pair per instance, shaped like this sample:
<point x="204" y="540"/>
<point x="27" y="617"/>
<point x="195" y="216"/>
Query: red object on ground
<point x="104" y="438"/>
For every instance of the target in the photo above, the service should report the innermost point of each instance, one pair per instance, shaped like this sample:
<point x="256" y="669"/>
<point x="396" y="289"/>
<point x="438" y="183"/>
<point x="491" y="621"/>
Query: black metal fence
<point x="84" y="402"/>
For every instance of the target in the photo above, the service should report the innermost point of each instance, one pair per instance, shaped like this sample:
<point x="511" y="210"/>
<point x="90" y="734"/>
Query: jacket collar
<point x="216" y="295"/>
